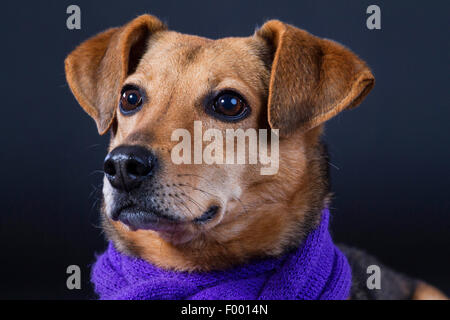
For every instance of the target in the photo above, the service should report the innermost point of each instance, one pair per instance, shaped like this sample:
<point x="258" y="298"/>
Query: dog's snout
<point x="127" y="166"/>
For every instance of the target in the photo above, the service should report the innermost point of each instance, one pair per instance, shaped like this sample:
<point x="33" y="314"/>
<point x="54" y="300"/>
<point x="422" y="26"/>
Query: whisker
<point x="194" y="202"/>
<point x="243" y="207"/>
<point x="333" y="165"/>
<point x="95" y="203"/>
<point x="193" y="175"/>
<point x="93" y="146"/>
<point x="94" y="190"/>
<point x="201" y="190"/>
<point x="189" y="198"/>
<point x="94" y="225"/>
<point x="182" y="203"/>
<point x="96" y="171"/>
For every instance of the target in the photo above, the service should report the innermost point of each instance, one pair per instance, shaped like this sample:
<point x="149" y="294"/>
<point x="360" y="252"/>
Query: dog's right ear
<point x="97" y="68"/>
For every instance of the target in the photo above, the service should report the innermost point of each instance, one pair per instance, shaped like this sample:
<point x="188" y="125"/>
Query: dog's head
<point x="170" y="100"/>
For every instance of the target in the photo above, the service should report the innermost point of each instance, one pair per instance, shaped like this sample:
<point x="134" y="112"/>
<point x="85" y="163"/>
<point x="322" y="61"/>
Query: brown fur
<point x="426" y="292"/>
<point x="292" y="80"/>
<point x="312" y="79"/>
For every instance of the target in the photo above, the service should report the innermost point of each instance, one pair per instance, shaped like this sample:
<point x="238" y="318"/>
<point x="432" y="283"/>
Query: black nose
<point x="127" y="166"/>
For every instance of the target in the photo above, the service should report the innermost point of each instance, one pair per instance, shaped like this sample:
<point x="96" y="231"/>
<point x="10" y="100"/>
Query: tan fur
<point x="426" y="292"/>
<point x="312" y="79"/>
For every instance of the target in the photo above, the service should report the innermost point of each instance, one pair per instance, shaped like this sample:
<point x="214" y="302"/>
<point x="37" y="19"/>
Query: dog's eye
<point x="130" y="100"/>
<point x="229" y="106"/>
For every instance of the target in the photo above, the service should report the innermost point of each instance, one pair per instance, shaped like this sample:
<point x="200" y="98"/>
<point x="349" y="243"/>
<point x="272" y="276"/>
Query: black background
<point x="391" y="188"/>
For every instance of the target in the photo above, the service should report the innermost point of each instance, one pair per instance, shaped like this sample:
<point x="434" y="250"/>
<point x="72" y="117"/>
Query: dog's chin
<point x="137" y="218"/>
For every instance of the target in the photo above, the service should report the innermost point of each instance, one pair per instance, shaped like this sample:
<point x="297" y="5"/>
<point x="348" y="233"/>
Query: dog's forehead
<point x="176" y="52"/>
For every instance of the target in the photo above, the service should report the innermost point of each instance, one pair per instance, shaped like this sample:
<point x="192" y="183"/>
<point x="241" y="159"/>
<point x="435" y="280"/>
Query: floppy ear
<point x="96" y="69"/>
<point x="312" y="79"/>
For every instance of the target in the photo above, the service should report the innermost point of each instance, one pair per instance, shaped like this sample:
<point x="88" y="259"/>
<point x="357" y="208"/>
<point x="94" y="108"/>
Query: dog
<point x="141" y="82"/>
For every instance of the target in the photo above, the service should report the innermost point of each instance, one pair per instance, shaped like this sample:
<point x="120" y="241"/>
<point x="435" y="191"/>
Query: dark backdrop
<point x="390" y="157"/>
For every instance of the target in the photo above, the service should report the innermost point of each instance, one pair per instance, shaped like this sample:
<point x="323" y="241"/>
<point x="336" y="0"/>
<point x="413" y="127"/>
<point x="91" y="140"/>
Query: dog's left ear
<point x="97" y="68"/>
<point x="312" y="79"/>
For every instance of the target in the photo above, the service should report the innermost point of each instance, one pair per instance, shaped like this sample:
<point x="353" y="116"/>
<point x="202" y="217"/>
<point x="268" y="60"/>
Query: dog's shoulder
<point x="394" y="286"/>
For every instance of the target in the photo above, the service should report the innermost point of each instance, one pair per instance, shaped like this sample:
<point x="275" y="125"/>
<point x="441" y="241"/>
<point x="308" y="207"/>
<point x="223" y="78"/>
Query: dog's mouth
<point x="137" y="218"/>
<point x="207" y="216"/>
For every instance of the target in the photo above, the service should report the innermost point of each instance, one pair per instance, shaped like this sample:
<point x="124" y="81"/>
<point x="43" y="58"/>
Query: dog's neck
<point x="316" y="270"/>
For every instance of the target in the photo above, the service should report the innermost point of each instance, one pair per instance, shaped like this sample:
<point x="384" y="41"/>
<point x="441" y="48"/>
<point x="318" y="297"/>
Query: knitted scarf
<point x="316" y="270"/>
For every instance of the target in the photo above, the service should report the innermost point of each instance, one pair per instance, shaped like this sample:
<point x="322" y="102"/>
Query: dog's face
<point x="146" y="84"/>
<point x="182" y="79"/>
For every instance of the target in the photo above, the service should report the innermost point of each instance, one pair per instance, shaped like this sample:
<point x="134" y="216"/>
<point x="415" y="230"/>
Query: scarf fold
<point x="316" y="270"/>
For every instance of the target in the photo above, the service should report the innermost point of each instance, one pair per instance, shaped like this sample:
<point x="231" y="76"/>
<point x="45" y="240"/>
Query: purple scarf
<point x="317" y="270"/>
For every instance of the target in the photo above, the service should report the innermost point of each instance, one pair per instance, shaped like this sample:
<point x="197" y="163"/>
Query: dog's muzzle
<point x="129" y="170"/>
